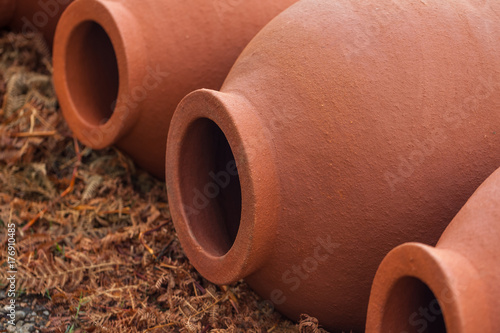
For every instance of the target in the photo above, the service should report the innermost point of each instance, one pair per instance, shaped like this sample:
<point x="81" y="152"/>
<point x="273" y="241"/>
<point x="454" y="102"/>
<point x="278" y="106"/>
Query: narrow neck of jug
<point x="99" y="70"/>
<point x="420" y="288"/>
<point x="222" y="185"/>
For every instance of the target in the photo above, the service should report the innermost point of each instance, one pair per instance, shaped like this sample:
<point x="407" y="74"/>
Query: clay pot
<point x="33" y="15"/>
<point x="451" y="288"/>
<point x="318" y="157"/>
<point x="121" y="67"/>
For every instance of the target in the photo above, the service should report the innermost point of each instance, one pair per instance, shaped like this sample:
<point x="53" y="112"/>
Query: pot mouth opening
<point x="412" y="307"/>
<point x="92" y="73"/>
<point x="210" y="187"/>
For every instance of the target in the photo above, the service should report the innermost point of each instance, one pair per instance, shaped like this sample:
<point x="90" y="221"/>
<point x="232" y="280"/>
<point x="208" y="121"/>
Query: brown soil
<point x="95" y="241"/>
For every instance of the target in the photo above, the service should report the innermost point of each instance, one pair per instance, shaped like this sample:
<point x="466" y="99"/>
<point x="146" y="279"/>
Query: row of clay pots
<point x="355" y="126"/>
<point x="344" y="129"/>
<point x="121" y="67"/>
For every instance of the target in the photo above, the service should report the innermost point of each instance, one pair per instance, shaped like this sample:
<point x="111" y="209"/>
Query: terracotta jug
<point x="33" y="15"/>
<point x="318" y="157"/>
<point x="121" y="67"/>
<point x="454" y="287"/>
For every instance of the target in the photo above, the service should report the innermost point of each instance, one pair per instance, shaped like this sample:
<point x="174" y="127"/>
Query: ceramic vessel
<point x="121" y="67"/>
<point x="319" y="156"/>
<point x="33" y="15"/>
<point x="454" y="287"/>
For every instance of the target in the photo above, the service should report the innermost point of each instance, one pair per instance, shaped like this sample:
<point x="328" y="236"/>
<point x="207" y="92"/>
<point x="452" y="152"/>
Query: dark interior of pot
<point x="412" y="308"/>
<point x="92" y="72"/>
<point x="210" y="187"/>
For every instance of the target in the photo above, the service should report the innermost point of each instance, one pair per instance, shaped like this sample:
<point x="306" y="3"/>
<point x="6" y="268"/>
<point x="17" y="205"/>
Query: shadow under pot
<point x="453" y="287"/>
<point x="122" y="67"/>
<point x="33" y="16"/>
<point x="318" y="157"/>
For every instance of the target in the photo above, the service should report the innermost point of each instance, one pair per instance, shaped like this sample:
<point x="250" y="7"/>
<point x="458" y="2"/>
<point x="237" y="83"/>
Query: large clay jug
<point x="121" y="67"/>
<point x="33" y="16"/>
<point x="319" y="156"/>
<point x="454" y="287"/>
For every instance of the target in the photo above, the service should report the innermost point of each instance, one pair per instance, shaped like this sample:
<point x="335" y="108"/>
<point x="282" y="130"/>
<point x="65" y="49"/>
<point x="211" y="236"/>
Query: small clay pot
<point x="121" y="67"/>
<point x="33" y="16"/>
<point x="454" y="287"/>
<point x="318" y="157"/>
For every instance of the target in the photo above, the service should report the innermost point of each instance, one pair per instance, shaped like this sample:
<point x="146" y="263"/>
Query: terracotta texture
<point x="451" y="288"/>
<point x="319" y="156"/>
<point x="33" y="15"/>
<point x="121" y="67"/>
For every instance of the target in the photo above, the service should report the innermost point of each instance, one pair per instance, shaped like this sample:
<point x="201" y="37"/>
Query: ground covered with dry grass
<point x="94" y="238"/>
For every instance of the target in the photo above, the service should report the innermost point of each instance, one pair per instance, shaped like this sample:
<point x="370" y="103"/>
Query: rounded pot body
<point x="121" y="67"/>
<point x="453" y="287"/>
<point x="39" y="16"/>
<point x="321" y="154"/>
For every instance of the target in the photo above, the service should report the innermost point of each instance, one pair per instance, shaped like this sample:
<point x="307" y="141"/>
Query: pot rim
<point x="255" y="162"/>
<point x="124" y="32"/>
<point x="452" y="278"/>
